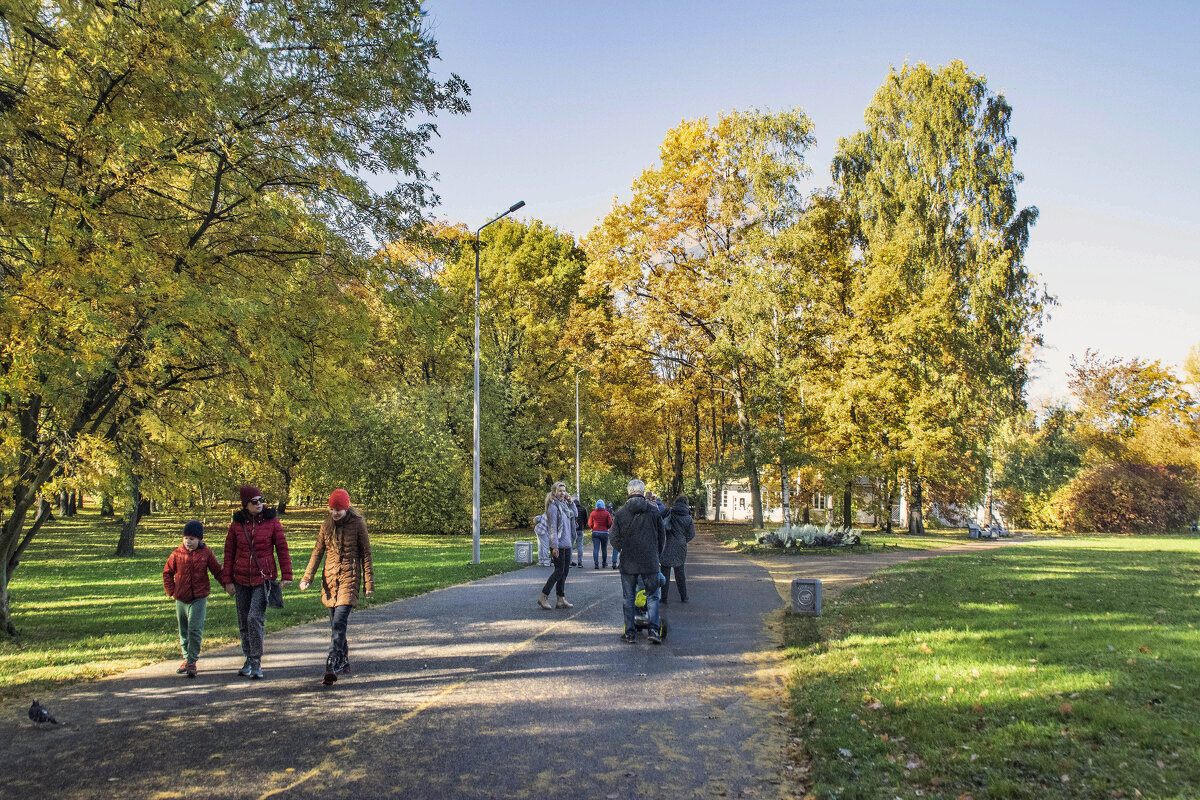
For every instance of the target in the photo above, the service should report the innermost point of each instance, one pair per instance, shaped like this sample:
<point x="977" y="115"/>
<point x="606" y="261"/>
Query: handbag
<point x="272" y="588"/>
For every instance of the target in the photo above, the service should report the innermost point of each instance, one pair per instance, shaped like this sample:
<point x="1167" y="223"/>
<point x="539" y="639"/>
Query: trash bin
<point x="523" y="551"/>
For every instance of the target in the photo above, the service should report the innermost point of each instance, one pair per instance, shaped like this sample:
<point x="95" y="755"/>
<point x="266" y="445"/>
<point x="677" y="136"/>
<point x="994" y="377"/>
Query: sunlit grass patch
<point x="83" y="613"/>
<point x="1062" y="669"/>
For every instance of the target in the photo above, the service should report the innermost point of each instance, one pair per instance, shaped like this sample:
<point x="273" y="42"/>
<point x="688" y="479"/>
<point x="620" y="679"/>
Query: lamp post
<point x="577" y="372"/>
<point x="475" y="475"/>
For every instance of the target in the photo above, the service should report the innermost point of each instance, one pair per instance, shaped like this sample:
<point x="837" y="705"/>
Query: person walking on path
<point x="344" y="543"/>
<point x="581" y="523"/>
<point x="638" y="532"/>
<point x="255" y="538"/>
<point x="541" y="529"/>
<point x="560" y="524"/>
<point x="600" y="521"/>
<point x="680" y="530"/>
<point x="185" y="577"/>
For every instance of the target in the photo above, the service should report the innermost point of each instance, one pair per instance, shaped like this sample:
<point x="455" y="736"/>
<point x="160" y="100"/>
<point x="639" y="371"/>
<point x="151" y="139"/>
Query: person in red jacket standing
<point x="255" y="537"/>
<point x="600" y="521"/>
<point x="185" y="577"/>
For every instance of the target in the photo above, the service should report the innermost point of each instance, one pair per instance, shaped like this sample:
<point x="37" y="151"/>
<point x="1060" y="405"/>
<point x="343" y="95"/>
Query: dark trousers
<point x="680" y="579"/>
<point x="339" y="650"/>
<point x="558" y="578"/>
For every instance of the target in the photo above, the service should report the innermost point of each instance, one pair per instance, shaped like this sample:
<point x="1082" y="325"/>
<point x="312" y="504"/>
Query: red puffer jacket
<point x="185" y="576"/>
<point x="266" y="533"/>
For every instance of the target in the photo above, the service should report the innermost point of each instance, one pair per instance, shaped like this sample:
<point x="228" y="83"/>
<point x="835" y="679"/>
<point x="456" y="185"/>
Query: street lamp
<point x="475" y="477"/>
<point x="577" y="431"/>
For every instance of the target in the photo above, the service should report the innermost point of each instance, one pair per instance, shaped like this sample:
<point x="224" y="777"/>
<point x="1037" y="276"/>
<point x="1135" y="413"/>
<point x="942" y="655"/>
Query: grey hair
<point x="636" y="487"/>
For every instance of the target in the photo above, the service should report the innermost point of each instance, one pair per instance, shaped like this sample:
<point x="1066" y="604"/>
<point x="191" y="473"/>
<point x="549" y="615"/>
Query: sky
<point x="571" y="100"/>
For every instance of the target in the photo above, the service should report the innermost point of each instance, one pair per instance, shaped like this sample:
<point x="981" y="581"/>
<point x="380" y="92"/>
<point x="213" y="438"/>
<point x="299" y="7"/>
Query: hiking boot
<point x="343" y="668"/>
<point x="654" y="637"/>
<point x="246" y="669"/>
<point x="562" y="603"/>
<point x="544" y="602"/>
<point x="182" y="668"/>
<point x="330" y="677"/>
<point x="628" y="638"/>
<point x="190" y="669"/>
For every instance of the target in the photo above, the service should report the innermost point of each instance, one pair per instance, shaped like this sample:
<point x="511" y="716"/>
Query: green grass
<point x="83" y="613"/>
<point x="1062" y="669"/>
<point x="741" y="536"/>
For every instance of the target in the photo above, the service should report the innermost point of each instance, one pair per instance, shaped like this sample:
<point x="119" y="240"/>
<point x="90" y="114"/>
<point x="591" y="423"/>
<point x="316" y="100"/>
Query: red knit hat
<point x="248" y="493"/>
<point x="339" y="500"/>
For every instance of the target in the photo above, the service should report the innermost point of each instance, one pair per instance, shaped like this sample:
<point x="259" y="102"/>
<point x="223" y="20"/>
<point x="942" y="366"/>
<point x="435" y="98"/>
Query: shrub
<point x="1127" y="498"/>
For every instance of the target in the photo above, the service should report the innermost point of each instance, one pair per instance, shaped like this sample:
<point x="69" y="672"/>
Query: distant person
<point x="600" y="521"/>
<point x="637" y="531"/>
<point x="254" y="540"/>
<point x="541" y="530"/>
<point x="581" y="524"/>
<point x="185" y="577"/>
<point x="680" y="530"/>
<point x="560" y="524"/>
<point x="344" y="543"/>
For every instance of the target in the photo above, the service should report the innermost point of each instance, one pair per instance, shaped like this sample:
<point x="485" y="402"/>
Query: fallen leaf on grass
<point x="1065" y="709"/>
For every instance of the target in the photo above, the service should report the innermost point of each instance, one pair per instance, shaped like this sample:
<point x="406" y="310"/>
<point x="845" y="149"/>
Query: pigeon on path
<point x="39" y="714"/>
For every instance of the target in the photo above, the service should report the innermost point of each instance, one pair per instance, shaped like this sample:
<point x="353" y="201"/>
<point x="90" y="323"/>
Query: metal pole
<point x="475" y="514"/>
<point x="577" y="434"/>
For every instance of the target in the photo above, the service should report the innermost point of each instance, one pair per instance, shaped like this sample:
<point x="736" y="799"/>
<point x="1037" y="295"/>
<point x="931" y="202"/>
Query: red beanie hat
<point x="339" y="500"/>
<point x="248" y="493"/>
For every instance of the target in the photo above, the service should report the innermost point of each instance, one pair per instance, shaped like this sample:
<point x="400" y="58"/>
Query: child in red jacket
<point x="185" y="577"/>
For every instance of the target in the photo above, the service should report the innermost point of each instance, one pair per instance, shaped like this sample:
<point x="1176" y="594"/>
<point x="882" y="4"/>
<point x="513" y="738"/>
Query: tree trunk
<point x="15" y="546"/>
<point x="61" y="498"/>
<point x="847" y="496"/>
<point x="677" y="471"/>
<point x="74" y="501"/>
<point x="106" y="505"/>
<point x="750" y="454"/>
<point x="133" y="485"/>
<point x="889" y="486"/>
<point x="916" y="522"/>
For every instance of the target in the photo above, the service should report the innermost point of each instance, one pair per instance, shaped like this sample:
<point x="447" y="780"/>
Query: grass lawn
<point x="1059" y="669"/>
<point x="742" y="536"/>
<point x="83" y="613"/>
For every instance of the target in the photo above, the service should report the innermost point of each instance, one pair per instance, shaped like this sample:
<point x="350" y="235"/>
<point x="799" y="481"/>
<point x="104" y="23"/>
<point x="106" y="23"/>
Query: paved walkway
<point x="466" y="692"/>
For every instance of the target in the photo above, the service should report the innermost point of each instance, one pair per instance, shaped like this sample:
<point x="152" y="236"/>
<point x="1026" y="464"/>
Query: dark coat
<point x="581" y="516"/>
<point x="185" y="575"/>
<point x="347" y="552"/>
<point x="638" y="532"/>
<point x="266" y="533"/>
<point x="680" y="531"/>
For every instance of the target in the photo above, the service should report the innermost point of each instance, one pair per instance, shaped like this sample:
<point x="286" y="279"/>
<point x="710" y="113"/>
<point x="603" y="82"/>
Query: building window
<point x="820" y="501"/>
<point x="742" y="504"/>
<point x="725" y="497"/>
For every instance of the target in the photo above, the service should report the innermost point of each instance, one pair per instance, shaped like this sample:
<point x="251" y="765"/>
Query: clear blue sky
<point x="571" y="100"/>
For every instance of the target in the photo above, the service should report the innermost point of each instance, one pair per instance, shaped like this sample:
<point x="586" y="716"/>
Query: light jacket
<point x="560" y="520"/>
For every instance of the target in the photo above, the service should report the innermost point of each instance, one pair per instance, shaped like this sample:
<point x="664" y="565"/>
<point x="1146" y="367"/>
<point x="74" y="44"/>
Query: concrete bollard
<point x="523" y="551"/>
<point x="806" y="596"/>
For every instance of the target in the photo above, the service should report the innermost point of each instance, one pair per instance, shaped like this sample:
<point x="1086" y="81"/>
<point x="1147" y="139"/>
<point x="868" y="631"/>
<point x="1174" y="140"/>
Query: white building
<point x="733" y="497"/>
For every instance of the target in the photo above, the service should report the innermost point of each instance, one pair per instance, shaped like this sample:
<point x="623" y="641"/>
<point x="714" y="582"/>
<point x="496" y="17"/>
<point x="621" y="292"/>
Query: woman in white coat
<point x="560" y="522"/>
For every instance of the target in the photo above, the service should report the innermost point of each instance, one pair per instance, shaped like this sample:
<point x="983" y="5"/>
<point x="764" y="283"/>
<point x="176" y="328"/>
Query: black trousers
<point x="680" y="579"/>
<point x="558" y="578"/>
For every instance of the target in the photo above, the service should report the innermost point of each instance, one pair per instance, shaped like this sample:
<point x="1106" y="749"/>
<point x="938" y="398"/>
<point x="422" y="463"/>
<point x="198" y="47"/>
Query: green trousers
<point x="191" y="626"/>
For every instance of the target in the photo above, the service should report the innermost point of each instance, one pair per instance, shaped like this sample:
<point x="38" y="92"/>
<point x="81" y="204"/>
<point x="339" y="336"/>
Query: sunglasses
<point x="255" y="500"/>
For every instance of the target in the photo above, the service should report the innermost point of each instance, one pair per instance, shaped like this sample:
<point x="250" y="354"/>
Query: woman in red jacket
<point x="255" y="537"/>
<point x="600" y="521"/>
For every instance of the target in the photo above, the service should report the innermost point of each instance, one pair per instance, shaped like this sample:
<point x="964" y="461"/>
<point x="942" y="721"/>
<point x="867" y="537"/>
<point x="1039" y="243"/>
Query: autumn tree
<point x="181" y="198"/>
<point x="673" y="263"/>
<point x="944" y="305"/>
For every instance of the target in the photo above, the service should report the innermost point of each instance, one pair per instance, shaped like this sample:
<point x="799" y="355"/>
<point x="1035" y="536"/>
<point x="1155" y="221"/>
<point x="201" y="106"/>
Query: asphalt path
<point x="466" y="692"/>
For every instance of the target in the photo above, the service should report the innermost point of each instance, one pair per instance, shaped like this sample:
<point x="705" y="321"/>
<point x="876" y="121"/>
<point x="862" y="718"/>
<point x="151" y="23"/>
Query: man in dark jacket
<point x="639" y="534"/>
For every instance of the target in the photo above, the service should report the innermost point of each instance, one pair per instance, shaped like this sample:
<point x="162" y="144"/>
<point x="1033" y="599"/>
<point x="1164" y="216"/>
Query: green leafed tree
<point x="181" y="203"/>
<point x="945" y="307"/>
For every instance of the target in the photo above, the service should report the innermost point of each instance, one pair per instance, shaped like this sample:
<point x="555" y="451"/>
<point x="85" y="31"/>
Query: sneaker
<point x="614" y="566"/>
<point x="256" y="671"/>
<point x="343" y="668"/>
<point x="330" y="677"/>
<point x="654" y="637"/>
<point x="182" y="668"/>
<point x="246" y="669"/>
<point x="628" y="638"/>
<point x="562" y="603"/>
<point x="595" y="566"/>
<point x="191" y="669"/>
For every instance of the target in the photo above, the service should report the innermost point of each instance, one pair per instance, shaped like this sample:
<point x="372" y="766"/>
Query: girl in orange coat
<point x="344" y="543"/>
